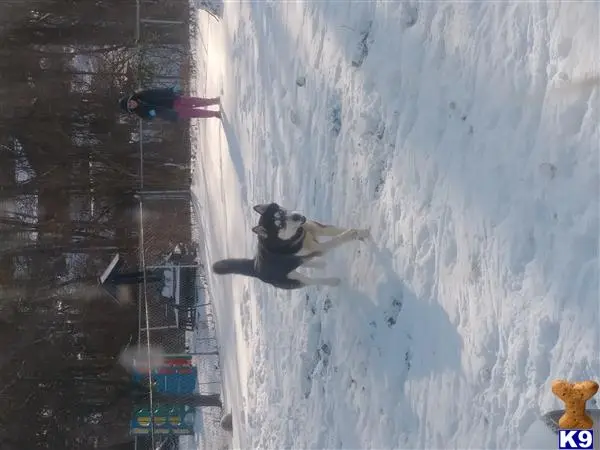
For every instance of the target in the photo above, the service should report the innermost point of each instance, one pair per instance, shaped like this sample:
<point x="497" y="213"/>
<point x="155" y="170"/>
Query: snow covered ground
<point x="465" y="134"/>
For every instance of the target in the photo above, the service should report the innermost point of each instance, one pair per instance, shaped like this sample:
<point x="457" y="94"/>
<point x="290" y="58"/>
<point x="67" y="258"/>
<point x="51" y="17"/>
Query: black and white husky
<point x="287" y="241"/>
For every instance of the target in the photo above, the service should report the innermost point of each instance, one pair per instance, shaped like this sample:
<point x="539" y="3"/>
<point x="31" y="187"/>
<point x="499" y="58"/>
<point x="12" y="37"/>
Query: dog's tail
<point x="240" y="266"/>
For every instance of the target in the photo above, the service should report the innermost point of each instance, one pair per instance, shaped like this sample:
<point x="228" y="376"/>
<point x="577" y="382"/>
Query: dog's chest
<point x="309" y="243"/>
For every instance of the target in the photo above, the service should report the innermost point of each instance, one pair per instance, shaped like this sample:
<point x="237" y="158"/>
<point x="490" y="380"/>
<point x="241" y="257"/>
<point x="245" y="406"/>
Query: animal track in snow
<point x="409" y="14"/>
<point x="335" y="119"/>
<point x="372" y="330"/>
<point x="315" y="360"/>
<point x="475" y="265"/>
<point x="362" y="48"/>
<point x="423" y="243"/>
<point x="381" y="172"/>
<point x="310" y="304"/>
<point x="392" y="313"/>
<point x="454" y="112"/>
<point x="408" y="359"/>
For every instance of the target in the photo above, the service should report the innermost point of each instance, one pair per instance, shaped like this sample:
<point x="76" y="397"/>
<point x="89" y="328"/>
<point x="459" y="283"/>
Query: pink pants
<point x="189" y="107"/>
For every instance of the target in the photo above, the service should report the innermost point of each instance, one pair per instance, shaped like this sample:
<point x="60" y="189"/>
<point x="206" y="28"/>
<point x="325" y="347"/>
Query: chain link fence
<point x="213" y="436"/>
<point x="175" y="306"/>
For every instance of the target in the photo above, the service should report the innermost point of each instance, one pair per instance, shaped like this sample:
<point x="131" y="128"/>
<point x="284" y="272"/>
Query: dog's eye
<point x="278" y="223"/>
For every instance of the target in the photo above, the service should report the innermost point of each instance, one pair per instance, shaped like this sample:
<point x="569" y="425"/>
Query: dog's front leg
<point x="319" y="229"/>
<point x="307" y="281"/>
<point x="315" y="264"/>
<point x="346" y="236"/>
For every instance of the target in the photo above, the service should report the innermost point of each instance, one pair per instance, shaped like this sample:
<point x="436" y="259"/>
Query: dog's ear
<point x="261" y="209"/>
<point x="260" y="230"/>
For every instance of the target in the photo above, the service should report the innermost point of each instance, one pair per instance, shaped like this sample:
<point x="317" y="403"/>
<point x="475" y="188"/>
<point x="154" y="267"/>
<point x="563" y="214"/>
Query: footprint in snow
<point x="382" y="173"/>
<point x="408" y="359"/>
<point x="335" y="119"/>
<point x="310" y="304"/>
<point x="548" y="170"/>
<point x="314" y="365"/>
<point x="410" y="15"/>
<point x="362" y="48"/>
<point x="391" y="315"/>
<point x="463" y="116"/>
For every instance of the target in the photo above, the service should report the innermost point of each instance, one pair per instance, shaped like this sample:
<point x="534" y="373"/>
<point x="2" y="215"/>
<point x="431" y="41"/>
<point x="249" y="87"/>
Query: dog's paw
<point x="333" y="282"/>
<point x="316" y="264"/>
<point x="354" y="234"/>
<point x="363" y="234"/>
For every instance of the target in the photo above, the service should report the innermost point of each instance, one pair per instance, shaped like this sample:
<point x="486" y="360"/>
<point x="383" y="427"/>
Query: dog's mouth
<point x="299" y="218"/>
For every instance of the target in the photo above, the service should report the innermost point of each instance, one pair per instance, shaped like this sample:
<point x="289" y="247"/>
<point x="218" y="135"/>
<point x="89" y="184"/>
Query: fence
<point x="175" y="309"/>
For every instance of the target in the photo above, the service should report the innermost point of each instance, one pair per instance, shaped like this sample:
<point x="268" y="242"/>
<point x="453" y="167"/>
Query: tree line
<point x="69" y="173"/>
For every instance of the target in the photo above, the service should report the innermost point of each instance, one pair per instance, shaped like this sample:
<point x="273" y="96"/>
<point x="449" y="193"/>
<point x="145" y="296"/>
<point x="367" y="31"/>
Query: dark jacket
<point x="153" y="103"/>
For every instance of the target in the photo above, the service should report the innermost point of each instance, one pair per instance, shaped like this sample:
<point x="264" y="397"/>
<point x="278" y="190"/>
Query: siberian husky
<point x="287" y="241"/>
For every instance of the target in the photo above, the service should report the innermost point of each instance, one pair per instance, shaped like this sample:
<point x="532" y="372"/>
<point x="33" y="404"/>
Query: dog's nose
<point x="298" y="218"/>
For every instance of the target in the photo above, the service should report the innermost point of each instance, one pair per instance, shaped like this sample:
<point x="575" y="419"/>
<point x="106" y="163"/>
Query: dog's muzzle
<point x="298" y="218"/>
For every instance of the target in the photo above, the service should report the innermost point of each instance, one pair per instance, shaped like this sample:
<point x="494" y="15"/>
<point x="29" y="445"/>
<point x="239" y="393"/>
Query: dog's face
<point x="276" y="221"/>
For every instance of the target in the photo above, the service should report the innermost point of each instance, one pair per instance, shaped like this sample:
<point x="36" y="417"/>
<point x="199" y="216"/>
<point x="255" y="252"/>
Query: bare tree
<point x="69" y="170"/>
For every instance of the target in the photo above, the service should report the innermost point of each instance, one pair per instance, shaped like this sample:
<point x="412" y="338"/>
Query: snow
<point x="539" y="436"/>
<point x="465" y="135"/>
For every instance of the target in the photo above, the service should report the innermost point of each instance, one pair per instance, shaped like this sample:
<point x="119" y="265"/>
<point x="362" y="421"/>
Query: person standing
<point x="168" y="104"/>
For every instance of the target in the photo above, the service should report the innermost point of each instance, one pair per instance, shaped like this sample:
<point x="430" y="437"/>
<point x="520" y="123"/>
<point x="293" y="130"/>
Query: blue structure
<point x="177" y="376"/>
